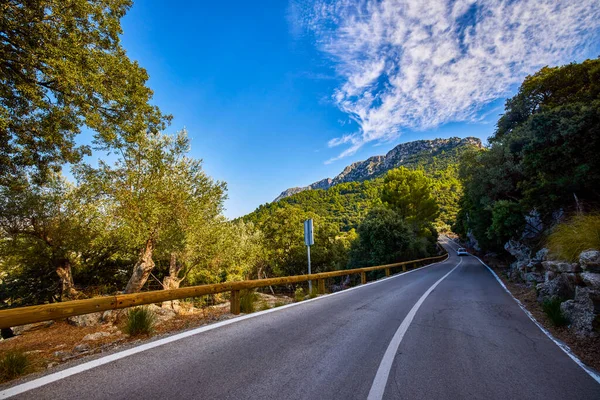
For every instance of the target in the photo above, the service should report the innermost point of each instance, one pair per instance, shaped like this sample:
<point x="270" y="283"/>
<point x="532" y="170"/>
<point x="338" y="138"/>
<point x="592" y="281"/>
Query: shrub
<point x="278" y="304"/>
<point x="299" y="294"/>
<point x="313" y="293"/>
<point x="263" y="306"/>
<point x="140" y="321"/>
<point x="13" y="364"/>
<point x="247" y="301"/>
<point x="552" y="309"/>
<point x="570" y="238"/>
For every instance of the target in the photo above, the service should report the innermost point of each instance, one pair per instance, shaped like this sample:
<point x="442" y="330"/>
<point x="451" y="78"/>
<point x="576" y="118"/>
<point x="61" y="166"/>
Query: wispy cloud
<point x="417" y="64"/>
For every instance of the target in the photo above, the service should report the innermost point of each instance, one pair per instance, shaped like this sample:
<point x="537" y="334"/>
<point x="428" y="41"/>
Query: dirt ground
<point x="587" y="349"/>
<point x="53" y="343"/>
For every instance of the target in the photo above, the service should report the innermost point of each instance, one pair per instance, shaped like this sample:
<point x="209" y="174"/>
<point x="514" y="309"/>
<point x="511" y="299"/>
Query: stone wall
<point x="576" y="285"/>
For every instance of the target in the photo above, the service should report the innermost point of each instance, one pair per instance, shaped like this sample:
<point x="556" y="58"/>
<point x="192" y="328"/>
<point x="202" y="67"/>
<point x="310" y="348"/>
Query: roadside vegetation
<point x="13" y="364"/>
<point x="140" y="321"/>
<point x="568" y="239"/>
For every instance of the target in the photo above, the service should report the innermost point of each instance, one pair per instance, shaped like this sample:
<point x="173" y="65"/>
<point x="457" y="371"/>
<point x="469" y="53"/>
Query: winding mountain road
<point x="446" y="331"/>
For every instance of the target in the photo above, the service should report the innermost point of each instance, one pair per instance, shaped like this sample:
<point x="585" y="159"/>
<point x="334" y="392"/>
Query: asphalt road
<point x="468" y="339"/>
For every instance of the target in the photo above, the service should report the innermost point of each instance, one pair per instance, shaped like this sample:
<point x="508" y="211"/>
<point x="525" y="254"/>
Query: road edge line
<point x="563" y="346"/>
<point x="383" y="372"/>
<point x="85" y="366"/>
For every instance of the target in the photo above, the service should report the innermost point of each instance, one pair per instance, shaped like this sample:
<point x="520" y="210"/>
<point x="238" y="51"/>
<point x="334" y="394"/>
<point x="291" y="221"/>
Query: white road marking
<point x="383" y="372"/>
<point x="560" y="344"/>
<point x="563" y="346"/>
<point x="44" y="380"/>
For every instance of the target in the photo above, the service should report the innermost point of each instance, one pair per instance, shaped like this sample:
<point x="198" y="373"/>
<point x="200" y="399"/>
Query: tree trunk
<point x="141" y="269"/>
<point x="65" y="274"/>
<point x="172" y="281"/>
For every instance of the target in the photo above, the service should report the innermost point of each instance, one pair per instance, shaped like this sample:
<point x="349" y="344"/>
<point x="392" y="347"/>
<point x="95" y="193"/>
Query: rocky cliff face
<point x="405" y="154"/>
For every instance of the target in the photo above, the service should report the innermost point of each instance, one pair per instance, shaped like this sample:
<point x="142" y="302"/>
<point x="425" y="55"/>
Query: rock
<point x="81" y="348"/>
<point x="590" y="260"/>
<point x="95" y="336"/>
<point x="518" y="270"/>
<point x="549" y="275"/>
<point x="581" y="311"/>
<point x="50" y="365"/>
<point x="92" y="319"/>
<point x="560" y="287"/>
<point x="518" y="250"/>
<point x="591" y="279"/>
<point x="542" y="255"/>
<point x="534" y="277"/>
<point x="62" y="354"/>
<point x="535" y="266"/>
<point x="162" y="314"/>
<point x="560" y="266"/>
<point x="19" y="330"/>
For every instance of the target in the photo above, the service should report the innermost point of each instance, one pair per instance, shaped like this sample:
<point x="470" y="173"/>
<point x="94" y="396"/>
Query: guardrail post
<point x="235" y="302"/>
<point x="363" y="277"/>
<point x="387" y="272"/>
<point x="321" y="286"/>
<point x="404" y="268"/>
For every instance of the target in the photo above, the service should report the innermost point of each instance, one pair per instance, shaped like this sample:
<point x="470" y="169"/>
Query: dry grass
<point x="569" y="239"/>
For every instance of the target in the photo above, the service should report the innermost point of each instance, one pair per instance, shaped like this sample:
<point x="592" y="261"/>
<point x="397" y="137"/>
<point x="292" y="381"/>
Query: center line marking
<point x="383" y="372"/>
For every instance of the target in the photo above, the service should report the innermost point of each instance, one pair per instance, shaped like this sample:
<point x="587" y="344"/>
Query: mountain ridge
<point x="404" y="154"/>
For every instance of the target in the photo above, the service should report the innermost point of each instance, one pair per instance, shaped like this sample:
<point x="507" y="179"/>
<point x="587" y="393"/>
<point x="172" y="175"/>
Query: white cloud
<point x="417" y="64"/>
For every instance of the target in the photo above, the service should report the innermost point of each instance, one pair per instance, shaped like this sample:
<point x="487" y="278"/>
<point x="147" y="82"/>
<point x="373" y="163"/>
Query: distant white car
<point x="462" y="252"/>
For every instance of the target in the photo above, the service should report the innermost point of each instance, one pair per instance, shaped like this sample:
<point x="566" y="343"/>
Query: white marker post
<point x="309" y="240"/>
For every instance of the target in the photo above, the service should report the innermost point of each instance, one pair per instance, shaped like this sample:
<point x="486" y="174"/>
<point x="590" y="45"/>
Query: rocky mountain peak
<point x="404" y="154"/>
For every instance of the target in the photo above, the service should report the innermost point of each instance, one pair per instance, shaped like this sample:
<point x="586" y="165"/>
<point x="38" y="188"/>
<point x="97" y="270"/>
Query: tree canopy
<point x="62" y="68"/>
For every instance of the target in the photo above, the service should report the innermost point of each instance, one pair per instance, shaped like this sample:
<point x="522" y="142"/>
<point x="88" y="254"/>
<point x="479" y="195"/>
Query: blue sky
<point x="276" y="94"/>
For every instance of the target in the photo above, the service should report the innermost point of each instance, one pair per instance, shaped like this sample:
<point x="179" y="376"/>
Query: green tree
<point x="384" y="237"/>
<point x="62" y="67"/>
<point x="45" y="230"/>
<point x="542" y="159"/>
<point x="157" y="197"/>
<point x="409" y="193"/>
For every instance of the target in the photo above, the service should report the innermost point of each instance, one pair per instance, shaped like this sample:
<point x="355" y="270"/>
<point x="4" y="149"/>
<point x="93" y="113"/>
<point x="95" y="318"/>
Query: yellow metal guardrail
<point x="27" y="315"/>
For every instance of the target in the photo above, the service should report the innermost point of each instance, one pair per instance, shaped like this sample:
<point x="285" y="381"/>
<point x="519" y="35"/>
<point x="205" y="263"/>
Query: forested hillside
<point x="346" y="204"/>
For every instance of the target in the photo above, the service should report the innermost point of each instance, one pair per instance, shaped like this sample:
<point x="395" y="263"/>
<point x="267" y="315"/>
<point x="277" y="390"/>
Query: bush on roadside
<point x="299" y="294"/>
<point x="313" y="293"/>
<point x="552" y="309"/>
<point x="13" y="364"/>
<point x="248" y="299"/>
<point x="570" y="238"/>
<point x="140" y="321"/>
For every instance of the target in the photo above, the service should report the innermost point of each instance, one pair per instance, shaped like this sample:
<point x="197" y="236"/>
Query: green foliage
<point x="313" y="293"/>
<point x="160" y="200"/>
<point x="552" y="309"/>
<point x="570" y="238"/>
<point x="248" y="300"/>
<point x="384" y="237"/>
<point x="140" y="321"/>
<point x="299" y="294"/>
<point x="13" y="364"/>
<point x="543" y="157"/>
<point x="63" y="68"/>
<point x="409" y="193"/>
<point x="278" y="304"/>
